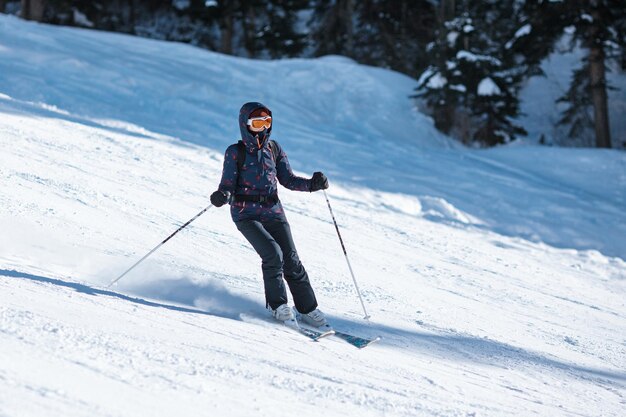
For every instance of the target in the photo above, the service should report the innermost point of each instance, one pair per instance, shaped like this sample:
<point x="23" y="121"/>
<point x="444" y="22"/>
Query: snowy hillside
<point x="496" y="278"/>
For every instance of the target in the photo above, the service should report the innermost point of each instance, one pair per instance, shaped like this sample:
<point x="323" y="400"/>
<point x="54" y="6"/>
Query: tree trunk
<point x="447" y="9"/>
<point x="445" y="115"/>
<point x="249" y="26"/>
<point x="25" y="12"/>
<point x="132" y="10"/>
<point x="331" y="32"/>
<point x="348" y="15"/>
<point x="226" y="28"/>
<point x="227" y="35"/>
<point x="3" y="3"/>
<point x="33" y="9"/>
<point x="597" y="75"/>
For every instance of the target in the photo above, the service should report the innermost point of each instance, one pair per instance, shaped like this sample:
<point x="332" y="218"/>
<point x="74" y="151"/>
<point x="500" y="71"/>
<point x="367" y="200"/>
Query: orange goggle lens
<point x="260" y="122"/>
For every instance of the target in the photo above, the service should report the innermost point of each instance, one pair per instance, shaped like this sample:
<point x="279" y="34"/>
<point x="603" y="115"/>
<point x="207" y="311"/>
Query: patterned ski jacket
<point x="259" y="174"/>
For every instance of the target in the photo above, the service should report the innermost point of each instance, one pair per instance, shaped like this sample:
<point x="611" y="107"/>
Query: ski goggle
<point x="260" y="122"/>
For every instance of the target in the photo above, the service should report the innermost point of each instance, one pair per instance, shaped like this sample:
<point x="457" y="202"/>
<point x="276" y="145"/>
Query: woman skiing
<point x="252" y="168"/>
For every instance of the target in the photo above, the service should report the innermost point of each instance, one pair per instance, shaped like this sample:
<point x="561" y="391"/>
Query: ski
<point x="314" y="335"/>
<point x="356" y="341"/>
<point x="359" y="342"/>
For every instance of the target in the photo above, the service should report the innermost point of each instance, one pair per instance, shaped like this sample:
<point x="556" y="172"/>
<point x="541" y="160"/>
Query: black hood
<point x="249" y="139"/>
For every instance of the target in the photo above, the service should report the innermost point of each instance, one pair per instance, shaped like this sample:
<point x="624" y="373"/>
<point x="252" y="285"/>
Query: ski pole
<point x="158" y="246"/>
<point x="367" y="316"/>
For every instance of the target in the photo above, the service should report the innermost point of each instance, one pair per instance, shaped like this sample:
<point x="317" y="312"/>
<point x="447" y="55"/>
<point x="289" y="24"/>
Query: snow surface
<point x="523" y="31"/>
<point x="488" y="87"/>
<point x="472" y="57"/>
<point x="496" y="278"/>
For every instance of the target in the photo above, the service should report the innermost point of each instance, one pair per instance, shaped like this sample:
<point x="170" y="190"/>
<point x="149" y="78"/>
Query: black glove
<point x="319" y="181"/>
<point x="219" y="198"/>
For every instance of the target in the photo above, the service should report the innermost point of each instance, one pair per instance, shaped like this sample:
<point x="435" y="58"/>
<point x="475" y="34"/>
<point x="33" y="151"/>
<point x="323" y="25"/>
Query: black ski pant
<point x="273" y="242"/>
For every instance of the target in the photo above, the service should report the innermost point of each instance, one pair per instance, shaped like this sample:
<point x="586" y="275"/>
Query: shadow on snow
<point x="446" y="346"/>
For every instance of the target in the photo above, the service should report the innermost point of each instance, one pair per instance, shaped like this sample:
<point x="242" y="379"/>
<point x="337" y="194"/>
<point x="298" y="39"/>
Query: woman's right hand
<point x="219" y="198"/>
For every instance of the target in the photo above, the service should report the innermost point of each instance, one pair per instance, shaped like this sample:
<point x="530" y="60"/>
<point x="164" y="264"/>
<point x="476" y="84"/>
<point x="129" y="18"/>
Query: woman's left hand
<point x="319" y="182"/>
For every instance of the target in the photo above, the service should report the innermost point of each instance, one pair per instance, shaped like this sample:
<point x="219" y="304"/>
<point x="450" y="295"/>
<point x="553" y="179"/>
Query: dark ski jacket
<point x="259" y="173"/>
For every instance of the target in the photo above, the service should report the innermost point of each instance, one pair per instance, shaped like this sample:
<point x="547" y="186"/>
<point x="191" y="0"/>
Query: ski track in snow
<point x="479" y="314"/>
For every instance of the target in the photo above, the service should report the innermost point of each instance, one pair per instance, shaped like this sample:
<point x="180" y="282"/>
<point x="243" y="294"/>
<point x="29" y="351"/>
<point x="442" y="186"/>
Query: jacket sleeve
<point x="286" y="176"/>
<point x="230" y="171"/>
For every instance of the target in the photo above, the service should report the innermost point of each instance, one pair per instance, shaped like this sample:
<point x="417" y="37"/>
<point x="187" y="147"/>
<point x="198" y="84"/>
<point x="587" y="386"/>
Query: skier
<point x="249" y="184"/>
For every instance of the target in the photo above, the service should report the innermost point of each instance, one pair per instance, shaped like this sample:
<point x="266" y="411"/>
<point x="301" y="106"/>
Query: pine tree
<point x="598" y="26"/>
<point x="578" y="115"/>
<point x="473" y="82"/>
<point x="385" y="33"/>
<point x="393" y="34"/>
<point x="331" y="25"/>
<point x="270" y="28"/>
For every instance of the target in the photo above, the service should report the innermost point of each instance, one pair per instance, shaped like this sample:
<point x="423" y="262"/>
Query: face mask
<point x="261" y="136"/>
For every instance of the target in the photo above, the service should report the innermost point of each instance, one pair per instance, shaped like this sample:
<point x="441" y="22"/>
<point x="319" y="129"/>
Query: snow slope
<point x="496" y="278"/>
<point x="352" y="121"/>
